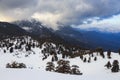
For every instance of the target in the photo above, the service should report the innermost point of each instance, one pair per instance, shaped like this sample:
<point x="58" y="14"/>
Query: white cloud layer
<point x="111" y="24"/>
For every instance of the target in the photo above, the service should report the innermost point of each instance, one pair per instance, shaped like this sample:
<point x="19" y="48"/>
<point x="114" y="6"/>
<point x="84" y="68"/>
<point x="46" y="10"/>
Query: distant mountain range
<point x="101" y="39"/>
<point x="65" y="35"/>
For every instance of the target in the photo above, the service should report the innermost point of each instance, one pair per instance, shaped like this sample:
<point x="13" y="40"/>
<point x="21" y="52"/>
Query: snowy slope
<point x="91" y="71"/>
<point x="36" y="66"/>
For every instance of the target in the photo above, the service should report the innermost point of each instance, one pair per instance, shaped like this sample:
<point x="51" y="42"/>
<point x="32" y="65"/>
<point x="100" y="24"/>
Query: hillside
<point x="8" y="29"/>
<point x="35" y="64"/>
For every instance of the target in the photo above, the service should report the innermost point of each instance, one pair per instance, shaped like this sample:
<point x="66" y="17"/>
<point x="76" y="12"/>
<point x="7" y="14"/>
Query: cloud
<point x="52" y="12"/>
<point x="12" y="4"/>
<point x="48" y="18"/>
<point x="17" y="9"/>
<point x="111" y="24"/>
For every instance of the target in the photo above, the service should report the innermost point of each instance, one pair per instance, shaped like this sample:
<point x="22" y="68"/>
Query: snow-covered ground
<point x="91" y="71"/>
<point x="36" y="67"/>
<point x="28" y="74"/>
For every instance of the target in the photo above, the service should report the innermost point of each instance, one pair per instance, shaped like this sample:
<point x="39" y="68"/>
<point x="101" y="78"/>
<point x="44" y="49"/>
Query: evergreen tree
<point x="63" y="66"/>
<point x="119" y="51"/>
<point x="53" y="59"/>
<point x="102" y="53"/>
<point x="56" y="58"/>
<point x="75" y="70"/>
<point x="95" y="59"/>
<point x="81" y="57"/>
<point x="84" y="60"/>
<point x="11" y="49"/>
<point x="4" y="51"/>
<point x="89" y="60"/>
<point x="115" y="65"/>
<point x="109" y="54"/>
<point x="50" y="66"/>
<point x="108" y="65"/>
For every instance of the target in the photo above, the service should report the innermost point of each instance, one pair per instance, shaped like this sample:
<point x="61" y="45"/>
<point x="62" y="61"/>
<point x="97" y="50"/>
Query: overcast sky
<point x="85" y="14"/>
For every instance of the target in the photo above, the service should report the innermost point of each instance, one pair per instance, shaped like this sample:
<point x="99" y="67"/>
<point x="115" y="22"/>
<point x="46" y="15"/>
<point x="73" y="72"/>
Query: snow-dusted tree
<point x="53" y="59"/>
<point x="108" y="65"/>
<point x="102" y="53"/>
<point x="50" y="66"/>
<point x="81" y="57"/>
<point x="15" y="65"/>
<point x="119" y="51"/>
<point x="4" y="51"/>
<point x="63" y="66"/>
<point x="109" y="54"/>
<point x="92" y="55"/>
<point x="11" y="49"/>
<point x="115" y="66"/>
<point x="95" y="59"/>
<point x="98" y="50"/>
<point x="85" y="59"/>
<point x="56" y="58"/>
<point x="75" y="70"/>
<point x="28" y="47"/>
<point x="89" y="60"/>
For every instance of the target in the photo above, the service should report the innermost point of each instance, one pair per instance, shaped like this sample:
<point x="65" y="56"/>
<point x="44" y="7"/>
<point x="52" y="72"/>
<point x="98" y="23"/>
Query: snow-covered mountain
<point x="35" y="56"/>
<point x="34" y="27"/>
<point x="65" y="35"/>
<point x="40" y="32"/>
<point x="91" y="39"/>
<point x="71" y="35"/>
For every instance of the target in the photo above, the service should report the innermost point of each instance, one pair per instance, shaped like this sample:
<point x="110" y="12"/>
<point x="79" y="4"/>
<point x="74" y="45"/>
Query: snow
<point x="91" y="71"/>
<point x="36" y="67"/>
<point x="26" y="28"/>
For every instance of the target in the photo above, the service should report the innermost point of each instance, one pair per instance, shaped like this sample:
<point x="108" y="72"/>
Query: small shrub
<point x="15" y="65"/>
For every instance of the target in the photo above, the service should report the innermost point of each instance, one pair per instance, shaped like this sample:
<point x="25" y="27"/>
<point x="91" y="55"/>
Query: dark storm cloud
<point x="10" y="4"/>
<point x="104" y="8"/>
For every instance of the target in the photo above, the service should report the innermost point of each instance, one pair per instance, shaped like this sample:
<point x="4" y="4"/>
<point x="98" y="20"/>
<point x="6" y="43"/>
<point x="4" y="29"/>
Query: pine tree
<point x="119" y="51"/>
<point x="75" y="70"/>
<point x="115" y="67"/>
<point x="89" y="60"/>
<point x="53" y="59"/>
<point x="109" y="54"/>
<point x="84" y="60"/>
<point x="102" y="54"/>
<point x="95" y="59"/>
<point x="50" y="66"/>
<point x="63" y="66"/>
<point x="4" y="51"/>
<point x="81" y="57"/>
<point x="56" y="58"/>
<point x="11" y="49"/>
<point x="108" y="65"/>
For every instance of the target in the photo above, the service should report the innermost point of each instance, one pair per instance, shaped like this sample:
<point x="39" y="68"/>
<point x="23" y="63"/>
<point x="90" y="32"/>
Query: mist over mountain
<point x="91" y="38"/>
<point x="43" y="33"/>
<point x="84" y="38"/>
<point x="65" y="35"/>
